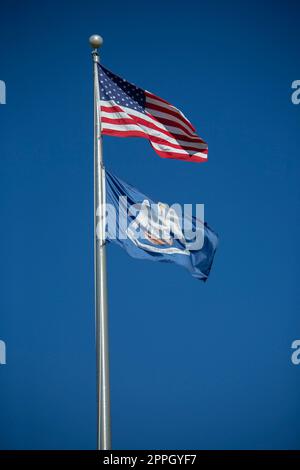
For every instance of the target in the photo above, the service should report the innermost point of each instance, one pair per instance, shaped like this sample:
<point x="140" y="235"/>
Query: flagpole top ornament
<point x="96" y="41"/>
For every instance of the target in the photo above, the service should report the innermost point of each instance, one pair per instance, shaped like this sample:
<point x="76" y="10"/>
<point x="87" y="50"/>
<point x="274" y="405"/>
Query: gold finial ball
<point x="96" y="41"/>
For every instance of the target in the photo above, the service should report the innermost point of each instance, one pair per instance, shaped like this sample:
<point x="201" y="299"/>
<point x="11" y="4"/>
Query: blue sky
<point x="193" y="365"/>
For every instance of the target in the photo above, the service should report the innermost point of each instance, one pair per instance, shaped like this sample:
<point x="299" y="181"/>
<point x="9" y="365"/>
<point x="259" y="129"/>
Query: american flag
<point x="129" y="111"/>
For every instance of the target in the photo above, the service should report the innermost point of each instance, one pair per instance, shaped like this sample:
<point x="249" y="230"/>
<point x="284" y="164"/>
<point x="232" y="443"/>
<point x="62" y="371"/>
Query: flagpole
<point x="101" y="313"/>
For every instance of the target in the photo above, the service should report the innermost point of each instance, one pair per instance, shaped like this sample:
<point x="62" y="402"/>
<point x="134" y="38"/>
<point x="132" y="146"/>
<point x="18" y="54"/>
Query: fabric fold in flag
<point x="130" y="111"/>
<point x="156" y="231"/>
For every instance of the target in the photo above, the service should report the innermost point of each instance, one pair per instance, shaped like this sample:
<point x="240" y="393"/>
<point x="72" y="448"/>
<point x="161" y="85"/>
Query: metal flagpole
<point x="102" y="353"/>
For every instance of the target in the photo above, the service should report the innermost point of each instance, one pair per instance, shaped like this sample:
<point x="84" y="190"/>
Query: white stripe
<point x="146" y="129"/>
<point x="118" y="127"/>
<point x="149" y="130"/>
<point x="115" y="115"/>
<point x="161" y="147"/>
<point x="171" y="118"/>
<point x="146" y="117"/>
<point x="165" y="148"/>
<point x="155" y="101"/>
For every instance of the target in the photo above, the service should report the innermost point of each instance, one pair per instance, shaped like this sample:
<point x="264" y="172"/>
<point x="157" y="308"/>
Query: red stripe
<point x="157" y="140"/>
<point x="112" y="109"/>
<point x="177" y="156"/>
<point x="135" y="119"/>
<point x="124" y="133"/>
<point x="172" y="112"/>
<point x="153" y="138"/>
<point x="130" y="133"/>
<point x="170" y="155"/>
<point x="167" y="122"/>
<point x="118" y="109"/>
<point x="154" y="97"/>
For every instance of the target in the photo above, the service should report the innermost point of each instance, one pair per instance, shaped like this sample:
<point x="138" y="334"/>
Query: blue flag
<point x="157" y="231"/>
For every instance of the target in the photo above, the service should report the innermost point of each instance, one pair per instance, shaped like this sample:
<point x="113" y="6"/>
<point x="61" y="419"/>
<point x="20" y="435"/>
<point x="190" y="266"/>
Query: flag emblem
<point x="152" y="231"/>
<point x="156" y="231"/>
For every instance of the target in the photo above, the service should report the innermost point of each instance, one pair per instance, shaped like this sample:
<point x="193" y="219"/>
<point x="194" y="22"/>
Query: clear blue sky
<point x="193" y="365"/>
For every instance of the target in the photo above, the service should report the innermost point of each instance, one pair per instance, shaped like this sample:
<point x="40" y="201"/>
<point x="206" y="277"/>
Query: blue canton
<point x="120" y="91"/>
